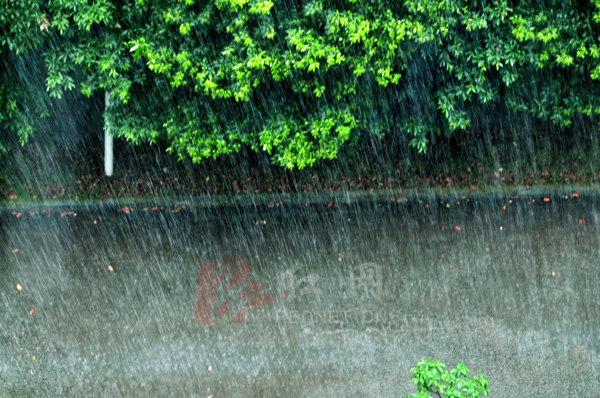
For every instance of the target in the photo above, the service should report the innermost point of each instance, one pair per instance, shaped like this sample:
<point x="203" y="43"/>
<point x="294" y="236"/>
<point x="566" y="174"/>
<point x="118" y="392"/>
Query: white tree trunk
<point x="108" y="141"/>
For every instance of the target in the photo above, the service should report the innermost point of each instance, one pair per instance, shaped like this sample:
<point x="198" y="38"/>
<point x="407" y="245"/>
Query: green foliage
<point x="432" y="377"/>
<point x="20" y="25"/>
<point x="302" y="79"/>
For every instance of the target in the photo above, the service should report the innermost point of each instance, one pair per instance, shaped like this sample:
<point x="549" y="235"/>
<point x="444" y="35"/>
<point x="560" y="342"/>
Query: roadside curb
<point x="345" y="197"/>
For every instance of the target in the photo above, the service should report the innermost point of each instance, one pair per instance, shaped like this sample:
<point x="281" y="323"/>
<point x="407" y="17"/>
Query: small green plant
<point x="433" y="380"/>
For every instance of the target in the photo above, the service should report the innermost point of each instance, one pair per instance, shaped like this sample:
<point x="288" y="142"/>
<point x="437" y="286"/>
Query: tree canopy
<point x="300" y="79"/>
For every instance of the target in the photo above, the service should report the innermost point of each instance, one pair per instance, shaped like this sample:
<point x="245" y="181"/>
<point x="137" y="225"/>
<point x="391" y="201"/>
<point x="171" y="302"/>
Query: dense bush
<point x="299" y="80"/>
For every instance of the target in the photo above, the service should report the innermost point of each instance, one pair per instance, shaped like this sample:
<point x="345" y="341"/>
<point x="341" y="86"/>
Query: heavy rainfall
<point x="327" y="198"/>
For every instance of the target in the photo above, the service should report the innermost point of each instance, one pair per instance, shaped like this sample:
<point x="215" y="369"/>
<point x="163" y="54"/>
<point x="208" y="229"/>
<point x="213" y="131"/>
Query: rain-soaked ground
<point x="100" y="300"/>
